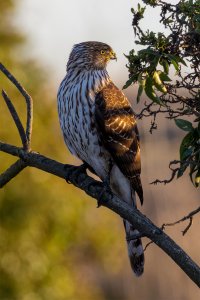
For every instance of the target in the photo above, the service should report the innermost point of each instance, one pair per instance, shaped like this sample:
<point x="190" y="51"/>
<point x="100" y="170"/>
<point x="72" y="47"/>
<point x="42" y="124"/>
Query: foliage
<point x="176" y="50"/>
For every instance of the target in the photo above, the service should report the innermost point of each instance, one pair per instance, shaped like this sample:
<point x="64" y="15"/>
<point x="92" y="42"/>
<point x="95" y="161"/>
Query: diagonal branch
<point x="28" y="99"/>
<point x="11" y="172"/>
<point x="16" y="119"/>
<point x="94" y="189"/>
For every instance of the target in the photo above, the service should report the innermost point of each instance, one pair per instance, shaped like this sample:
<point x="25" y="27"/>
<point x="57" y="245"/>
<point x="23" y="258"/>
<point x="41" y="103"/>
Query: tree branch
<point x="94" y="188"/>
<point x="11" y="172"/>
<point x="28" y="99"/>
<point x="16" y="119"/>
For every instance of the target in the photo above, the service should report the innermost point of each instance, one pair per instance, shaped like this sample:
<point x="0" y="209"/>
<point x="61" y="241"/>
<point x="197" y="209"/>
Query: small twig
<point x="187" y="227"/>
<point x="189" y="216"/>
<point x="16" y="119"/>
<point x="29" y="102"/>
<point x="165" y="181"/>
<point x="11" y="172"/>
<point x="174" y="172"/>
<point x="147" y="245"/>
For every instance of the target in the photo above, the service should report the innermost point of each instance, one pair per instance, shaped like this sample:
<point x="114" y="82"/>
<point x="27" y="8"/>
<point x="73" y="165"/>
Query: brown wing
<point x="119" y="134"/>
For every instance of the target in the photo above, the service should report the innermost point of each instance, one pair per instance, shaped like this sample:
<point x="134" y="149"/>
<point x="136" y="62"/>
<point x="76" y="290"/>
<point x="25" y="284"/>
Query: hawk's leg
<point x="106" y="186"/>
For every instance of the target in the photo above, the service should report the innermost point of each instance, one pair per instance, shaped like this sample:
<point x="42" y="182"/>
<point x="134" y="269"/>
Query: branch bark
<point x="29" y="103"/>
<point x="11" y="172"/>
<point x="16" y="119"/>
<point x="94" y="188"/>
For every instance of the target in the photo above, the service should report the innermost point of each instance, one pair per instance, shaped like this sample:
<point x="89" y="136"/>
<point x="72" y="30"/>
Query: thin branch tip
<point x="185" y="218"/>
<point x="16" y="119"/>
<point x="28" y="99"/>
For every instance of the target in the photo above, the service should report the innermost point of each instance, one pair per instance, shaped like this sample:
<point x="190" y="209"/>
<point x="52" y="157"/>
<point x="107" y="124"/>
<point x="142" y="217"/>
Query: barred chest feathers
<point x="76" y="96"/>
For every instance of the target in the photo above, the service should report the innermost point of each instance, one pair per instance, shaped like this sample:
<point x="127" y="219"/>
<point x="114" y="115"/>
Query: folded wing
<point x="118" y="132"/>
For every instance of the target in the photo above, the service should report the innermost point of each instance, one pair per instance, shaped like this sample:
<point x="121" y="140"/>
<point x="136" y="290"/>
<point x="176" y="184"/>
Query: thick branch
<point x="94" y="189"/>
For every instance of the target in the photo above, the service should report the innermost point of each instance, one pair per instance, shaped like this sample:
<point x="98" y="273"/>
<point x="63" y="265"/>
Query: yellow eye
<point x="103" y="52"/>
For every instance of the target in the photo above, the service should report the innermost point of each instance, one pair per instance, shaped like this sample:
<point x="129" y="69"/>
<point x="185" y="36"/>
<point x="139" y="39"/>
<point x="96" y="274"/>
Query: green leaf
<point x="164" y="76"/>
<point x="182" y="169"/>
<point x="174" y="60"/>
<point x="158" y="82"/>
<point x="149" y="90"/>
<point x="165" y="65"/>
<point x="142" y="82"/>
<point x="184" y="125"/>
<point x="128" y="83"/>
<point x="185" y="144"/>
<point x="197" y="178"/>
<point x="180" y="60"/>
<point x="192" y="170"/>
<point x="175" y="64"/>
<point x="149" y="52"/>
<point x="139" y="94"/>
<point x="185" y="154"/>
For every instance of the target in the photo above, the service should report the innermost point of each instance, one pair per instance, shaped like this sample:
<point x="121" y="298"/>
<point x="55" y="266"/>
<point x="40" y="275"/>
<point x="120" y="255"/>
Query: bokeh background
<point x="54" y="243"/>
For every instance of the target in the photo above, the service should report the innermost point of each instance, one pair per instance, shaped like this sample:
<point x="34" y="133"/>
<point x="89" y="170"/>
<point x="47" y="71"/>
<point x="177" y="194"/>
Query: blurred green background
<point x="54" y="243"/>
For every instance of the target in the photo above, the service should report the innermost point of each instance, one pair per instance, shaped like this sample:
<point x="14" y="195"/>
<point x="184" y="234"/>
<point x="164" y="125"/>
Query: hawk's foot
<point x="75" y="171"/>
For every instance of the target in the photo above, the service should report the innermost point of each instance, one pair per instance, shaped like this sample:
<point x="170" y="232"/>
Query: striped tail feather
<point x="135" y="249"/>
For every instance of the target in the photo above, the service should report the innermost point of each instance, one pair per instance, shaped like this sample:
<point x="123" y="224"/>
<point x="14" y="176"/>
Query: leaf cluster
<point x="175" y="51"/>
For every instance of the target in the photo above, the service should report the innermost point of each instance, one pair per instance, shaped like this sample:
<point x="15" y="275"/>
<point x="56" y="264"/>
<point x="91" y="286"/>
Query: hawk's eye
<point x="103" y="52"/>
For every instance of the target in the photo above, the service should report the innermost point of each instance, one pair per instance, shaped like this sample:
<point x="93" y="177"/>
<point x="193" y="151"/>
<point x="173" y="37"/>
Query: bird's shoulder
<point x="111" y="96"/>
<point x="114" y="113"/>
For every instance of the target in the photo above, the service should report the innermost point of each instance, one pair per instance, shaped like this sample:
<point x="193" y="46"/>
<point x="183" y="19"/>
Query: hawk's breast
<point x="77" y="120"/>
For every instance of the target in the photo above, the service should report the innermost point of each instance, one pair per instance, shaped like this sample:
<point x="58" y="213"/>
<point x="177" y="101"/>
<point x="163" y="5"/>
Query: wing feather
<point x="118" y="132"/>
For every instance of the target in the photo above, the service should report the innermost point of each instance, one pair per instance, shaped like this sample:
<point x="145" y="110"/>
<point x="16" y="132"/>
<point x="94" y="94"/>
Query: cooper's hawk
<point x="99" y="127"/>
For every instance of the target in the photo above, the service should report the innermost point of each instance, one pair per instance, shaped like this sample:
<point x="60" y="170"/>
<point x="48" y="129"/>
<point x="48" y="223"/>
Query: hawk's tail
<point x="135" y="249"/>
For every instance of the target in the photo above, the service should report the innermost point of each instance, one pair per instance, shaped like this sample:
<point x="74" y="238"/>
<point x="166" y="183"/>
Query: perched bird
<point x="99" y="127"/>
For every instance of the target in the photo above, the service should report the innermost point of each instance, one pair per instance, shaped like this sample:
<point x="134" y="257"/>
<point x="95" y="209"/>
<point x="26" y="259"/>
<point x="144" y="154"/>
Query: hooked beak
<point x="113" y="55"/>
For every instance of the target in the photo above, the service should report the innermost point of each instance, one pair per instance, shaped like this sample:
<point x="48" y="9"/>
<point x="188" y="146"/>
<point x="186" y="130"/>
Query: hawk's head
<point x="90" y="55"/>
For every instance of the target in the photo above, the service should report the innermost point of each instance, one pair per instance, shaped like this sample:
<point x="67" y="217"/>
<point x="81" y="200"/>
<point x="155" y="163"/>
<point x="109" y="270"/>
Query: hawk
<point x="99" y="127"/>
